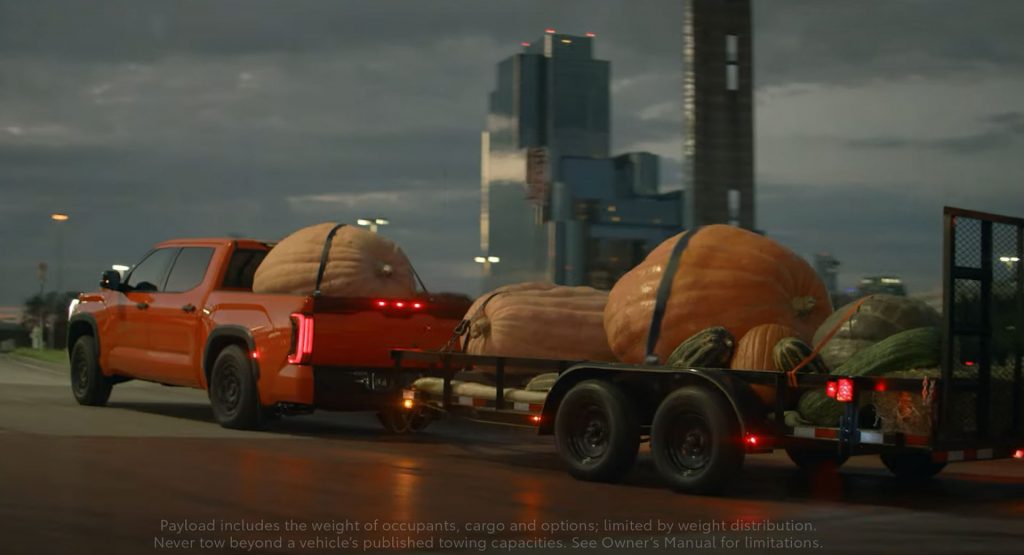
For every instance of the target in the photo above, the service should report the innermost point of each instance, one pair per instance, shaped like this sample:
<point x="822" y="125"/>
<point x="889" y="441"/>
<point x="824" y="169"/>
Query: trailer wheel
<point x="815" y="461"/>
<point x="88" y="384"/>
<point x="403" y="421"/>
<point x="918" y="465"/>
<point x="597" y="431"/>
<point x="232" y="390"/>
<point x="695" y="441"/>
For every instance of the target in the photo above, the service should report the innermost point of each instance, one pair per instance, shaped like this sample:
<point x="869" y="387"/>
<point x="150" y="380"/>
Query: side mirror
<point x="111" y="280"/>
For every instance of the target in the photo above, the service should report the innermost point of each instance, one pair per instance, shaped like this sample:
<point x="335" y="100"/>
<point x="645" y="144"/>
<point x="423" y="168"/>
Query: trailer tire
<point x="88" y="384"/>
<point x="695" y="441"/>
<point x="402" y="421"/>
<point x="232" y="390"/>
<point x="597" y="431"/>
<point x="816" y="461"/>
<point x="912" y="466"/>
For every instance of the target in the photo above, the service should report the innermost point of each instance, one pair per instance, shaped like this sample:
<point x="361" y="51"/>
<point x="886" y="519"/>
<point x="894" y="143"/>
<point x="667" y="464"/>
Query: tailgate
<point x="360" y="332"/>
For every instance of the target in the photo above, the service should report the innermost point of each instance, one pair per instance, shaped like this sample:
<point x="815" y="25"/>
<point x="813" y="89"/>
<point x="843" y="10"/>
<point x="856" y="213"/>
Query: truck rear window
<point x="242" y="267"/>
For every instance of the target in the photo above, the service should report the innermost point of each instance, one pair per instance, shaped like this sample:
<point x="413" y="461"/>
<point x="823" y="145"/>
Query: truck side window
<point x="242" y="268"/>
<point x="149" y="274"/>
<point x="189" y="269"/>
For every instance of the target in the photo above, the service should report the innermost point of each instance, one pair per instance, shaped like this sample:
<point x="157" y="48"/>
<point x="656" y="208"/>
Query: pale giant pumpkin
<point x="727" y="277"/>
<point x="360" y="264"/>
<point x="878" y="317"/>
<point x="539" y="320"/>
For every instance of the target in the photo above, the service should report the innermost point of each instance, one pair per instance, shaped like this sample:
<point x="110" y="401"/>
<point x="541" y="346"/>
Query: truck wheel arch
<point x="224" y="336"/>
<point x="737" y="393"/>
<point x="79" y="325"/>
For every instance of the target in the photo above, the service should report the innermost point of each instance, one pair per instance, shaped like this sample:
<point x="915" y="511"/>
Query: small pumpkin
<point x="359" y="264"/>
<point x="754" y="351"/>
<point x="539" y="320"/>
<point x="727" y="277"/>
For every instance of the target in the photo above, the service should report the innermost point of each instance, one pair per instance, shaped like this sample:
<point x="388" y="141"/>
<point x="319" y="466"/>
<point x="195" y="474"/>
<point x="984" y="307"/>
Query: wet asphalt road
<point x="152" y="473"/>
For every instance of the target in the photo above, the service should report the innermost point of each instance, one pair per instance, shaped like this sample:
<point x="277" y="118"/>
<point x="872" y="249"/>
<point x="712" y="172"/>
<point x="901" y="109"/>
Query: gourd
<point x="878" y="317"/>
<point x="789" y="352"/>
<point x="359" y="264"/>
<point x="710" y="348"/>
<point x="754" y="351"/>
<point x="539" y="320"/>
<point x="726" y="277"/>
<point x="916" y="348"/>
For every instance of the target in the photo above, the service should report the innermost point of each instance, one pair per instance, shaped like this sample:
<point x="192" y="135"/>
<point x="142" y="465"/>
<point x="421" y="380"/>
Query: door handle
<point x="142" y="305"/>
<point x="189" y="307"/>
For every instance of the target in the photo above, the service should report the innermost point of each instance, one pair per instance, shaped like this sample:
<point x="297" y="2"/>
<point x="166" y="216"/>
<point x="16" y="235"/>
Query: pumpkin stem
<point x="803" y="305"/>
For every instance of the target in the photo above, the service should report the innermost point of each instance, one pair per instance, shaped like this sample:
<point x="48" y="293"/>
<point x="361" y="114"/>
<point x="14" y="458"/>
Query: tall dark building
<point x="718" y="112"/>
<point x="555" y="205"/>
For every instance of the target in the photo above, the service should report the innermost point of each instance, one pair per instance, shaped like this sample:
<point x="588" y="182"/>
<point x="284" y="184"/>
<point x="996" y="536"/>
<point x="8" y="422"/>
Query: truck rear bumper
<point x="291" y="384"/>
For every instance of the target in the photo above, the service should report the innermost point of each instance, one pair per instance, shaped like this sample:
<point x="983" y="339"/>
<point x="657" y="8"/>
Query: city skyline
<point x="142" y="124"/>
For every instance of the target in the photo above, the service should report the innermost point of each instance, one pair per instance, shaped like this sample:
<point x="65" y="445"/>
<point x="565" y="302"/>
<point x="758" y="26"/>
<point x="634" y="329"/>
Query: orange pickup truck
<point x="186" y="316"/>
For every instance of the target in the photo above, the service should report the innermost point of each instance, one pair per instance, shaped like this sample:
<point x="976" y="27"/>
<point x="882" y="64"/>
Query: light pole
<point x="372" y="223"/>
<point x="59" y="218"/>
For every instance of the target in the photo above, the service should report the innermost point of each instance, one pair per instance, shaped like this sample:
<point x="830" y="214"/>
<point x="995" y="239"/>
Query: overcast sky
<point x="146" y="120"/>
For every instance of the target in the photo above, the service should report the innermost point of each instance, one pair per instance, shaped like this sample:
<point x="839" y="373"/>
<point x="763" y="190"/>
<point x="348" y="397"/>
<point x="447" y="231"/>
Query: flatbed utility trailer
<point x="702" y="422"/>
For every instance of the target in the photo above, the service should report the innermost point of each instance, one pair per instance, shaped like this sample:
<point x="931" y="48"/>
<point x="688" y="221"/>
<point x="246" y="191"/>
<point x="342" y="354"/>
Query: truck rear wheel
<point x="232" y="390"/>
<point x="912" y="466"/>
<point x="814" y="461"/>
<point x="695" y="441"/>
<point x="597" y="431"/>
<point x="88" y="384"/>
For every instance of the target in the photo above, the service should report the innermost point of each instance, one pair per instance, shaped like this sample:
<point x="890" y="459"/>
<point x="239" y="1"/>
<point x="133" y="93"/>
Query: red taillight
<point x="844" y="391"/>
<point x="752" y="440"/>
<point x="382" y="304"/>
<point x="302" y="347"/>
<point x="399" y="304"/>
<point x="417" y="306"/>
<point x="831" y="388"/>
<point x="880" y="385"/>
<point x="535" y="419"/>
<point x="968" y="363"/>
<point x="1018" y="454"/>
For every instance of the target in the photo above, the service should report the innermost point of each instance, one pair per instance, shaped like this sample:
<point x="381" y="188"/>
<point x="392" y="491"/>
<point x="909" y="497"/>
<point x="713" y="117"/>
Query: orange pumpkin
<point x="754" y="350"/>
<point x="539" y="320"/>
<point x="727" y="277"/>
<point x="360" y="264"/>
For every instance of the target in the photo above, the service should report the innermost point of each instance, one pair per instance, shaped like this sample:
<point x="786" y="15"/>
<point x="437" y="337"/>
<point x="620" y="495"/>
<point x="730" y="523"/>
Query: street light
<point x="372" y="223"/>
<point x="59" y="217"/>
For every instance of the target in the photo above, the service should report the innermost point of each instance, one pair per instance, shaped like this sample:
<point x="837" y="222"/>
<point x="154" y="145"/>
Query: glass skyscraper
<point x="555" y="206"/>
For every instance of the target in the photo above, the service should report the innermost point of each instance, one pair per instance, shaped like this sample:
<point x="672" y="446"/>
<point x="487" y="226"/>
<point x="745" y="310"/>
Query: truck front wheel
<point x="232" y="391"/>
<point x="88" y="384"/>
<point x="597" y="431"/>
<point x="695" y="441"/>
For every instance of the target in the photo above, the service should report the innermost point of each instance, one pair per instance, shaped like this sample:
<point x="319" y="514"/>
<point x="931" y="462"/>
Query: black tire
<point x="695" y="441"/>
<point x="597" y="431"/>
<point x="405" y="421"/>
<point x="816" y="461"/>
<point x="232" y="390"/>
<point x="912" y="466"/>
<point x="88" y="384"/>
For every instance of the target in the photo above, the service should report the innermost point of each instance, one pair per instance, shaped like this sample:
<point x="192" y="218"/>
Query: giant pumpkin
<point x="878" y="317"/>
<point x="359" y="264"/>
<point x="726" y="277"/>
<point x="539" y="320"/>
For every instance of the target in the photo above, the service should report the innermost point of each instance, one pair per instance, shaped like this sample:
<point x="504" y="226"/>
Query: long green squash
<point x="916" y="348"/>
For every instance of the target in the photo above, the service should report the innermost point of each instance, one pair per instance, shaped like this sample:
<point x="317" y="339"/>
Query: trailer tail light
<point x="302" y="339"/>
<point x="381" y="304"/>
<point x="417" y="306"/>
<point x="752" y="440"/>
<point x="831" y="388"/>
<point x="535" y="419"/>
<point x="407" y="403"/>
<point x="399" y="304"/>
<point x="844" y="391"/>
<point x="1018" y="454"/>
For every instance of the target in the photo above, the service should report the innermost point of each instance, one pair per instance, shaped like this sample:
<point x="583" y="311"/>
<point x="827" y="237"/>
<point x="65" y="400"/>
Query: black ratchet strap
<point x="323" y="258"/>
<point x="664" y="290"/>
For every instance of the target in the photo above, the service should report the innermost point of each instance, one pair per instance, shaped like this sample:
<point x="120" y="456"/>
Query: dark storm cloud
<point x="1001" y="130"/>
<point x="832" y="41"/>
